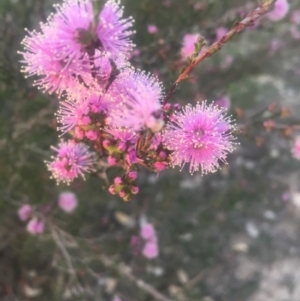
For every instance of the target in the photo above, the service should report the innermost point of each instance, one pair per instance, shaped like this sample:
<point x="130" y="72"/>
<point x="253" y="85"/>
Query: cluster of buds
<point x="125" y="186"/>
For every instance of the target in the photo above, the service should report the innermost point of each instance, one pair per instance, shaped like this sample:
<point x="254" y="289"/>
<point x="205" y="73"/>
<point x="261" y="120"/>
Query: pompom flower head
<point x="24" y="212"/>
<point x="72" y="160"/>
<point x="200" y="136"/>
<point x="62" y="53"/>
<point x="67" y="201"/>
<point x="281" y="8"/>
<point x="35" y="226"/>
<point x="137" y="101"/>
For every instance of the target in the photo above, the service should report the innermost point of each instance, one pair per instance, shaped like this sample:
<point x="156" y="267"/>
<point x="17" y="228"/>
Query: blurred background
<point x="232" y="235"/>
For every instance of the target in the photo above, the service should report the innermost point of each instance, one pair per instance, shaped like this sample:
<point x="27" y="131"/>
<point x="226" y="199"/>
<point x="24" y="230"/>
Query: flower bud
<point x="134" y="189"/>
<point x="118" y="180"/>
<point x="132" y="175"/>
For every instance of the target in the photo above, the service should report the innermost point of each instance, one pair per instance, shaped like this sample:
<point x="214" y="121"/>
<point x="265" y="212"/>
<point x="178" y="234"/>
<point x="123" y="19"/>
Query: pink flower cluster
<point x="111" y="110"/>
<point x="67" y="201"/>
<point x="35" y="225"/>
<point x="150" y="249"/>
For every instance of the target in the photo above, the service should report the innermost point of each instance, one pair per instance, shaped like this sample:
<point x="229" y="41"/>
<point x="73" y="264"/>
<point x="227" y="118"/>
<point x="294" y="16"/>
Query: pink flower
<point x="281" y="8"/>
<point x="67" y="201"/>
<point x="137" y="102"/>
<point x="35" y="226"/>
<point x="200" y="136"/>
<point x="24" y="212"/>
<point x="59" y="54"/>
<point x="148" y="232"/>
<point x="72" y="160"/>
<point x="120" y="134"/>
<point x="188" y="44"/>
<point x="150" y="250"/>
<point x="296" y="148"/>
<point x="113" y="31"/>
<point x="116" y="299"/>
<point x="220" y="32"/>
<point x="72" y="113"/>
<point x="295" y="18"/>
<point x="152" y="29"/>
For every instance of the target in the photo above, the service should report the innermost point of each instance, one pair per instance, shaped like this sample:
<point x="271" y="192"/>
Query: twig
<point x="64" y="251"/>
<point x="126" y="271"/>
<point x="261" y="10"/>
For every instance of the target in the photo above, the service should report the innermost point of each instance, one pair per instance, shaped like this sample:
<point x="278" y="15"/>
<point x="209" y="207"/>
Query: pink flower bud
<point x="134" y="189"/>
<point x="118" y="180"/>
<point x="92" y="135"/>
<point x="162" y="155"/>
<point x="24" y="212"/>
<point x="160" y="166"/>
<point x="79" y="133"/>
<point x="85" y="120"/>
<point x="106" y="143"/>
<point x="132" y="175"/>
<point x="177" y="107"/>
<point x="167" y="106"/>
<point x="111" y="160"/>
<point x="122" y="194"/>
<point x="111" y="189"/>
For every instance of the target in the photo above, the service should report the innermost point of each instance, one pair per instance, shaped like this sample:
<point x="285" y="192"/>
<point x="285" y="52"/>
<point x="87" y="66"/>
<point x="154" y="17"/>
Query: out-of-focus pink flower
<point x="220" y="32"/>
<point x="67" y="201"/>
<point x="116" y="299"/>
<point x="296" y="148"/>
<point x="152" y="29"/>
<point x="148" y="232"/>
<point x="223" y="102"/>
<point x="295" y="18"/>
<point x="188" y="44"/>
<point x="281" y="8"/>
<point x="35" y="226"/>
<point x="24" y="212"/>
<point x="150" y="250"/>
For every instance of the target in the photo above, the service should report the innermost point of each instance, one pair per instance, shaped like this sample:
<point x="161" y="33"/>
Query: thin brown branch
<point x="261" y="10"/>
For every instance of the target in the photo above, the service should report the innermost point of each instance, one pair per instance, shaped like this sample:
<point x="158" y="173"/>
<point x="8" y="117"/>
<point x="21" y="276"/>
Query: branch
<point x="261" y="10"/>
<point x="126" y="271"/>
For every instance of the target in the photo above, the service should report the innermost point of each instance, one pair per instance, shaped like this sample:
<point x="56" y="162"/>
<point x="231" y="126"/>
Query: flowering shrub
<point x="110" y="107"/>
<point x="133" y="99"/>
